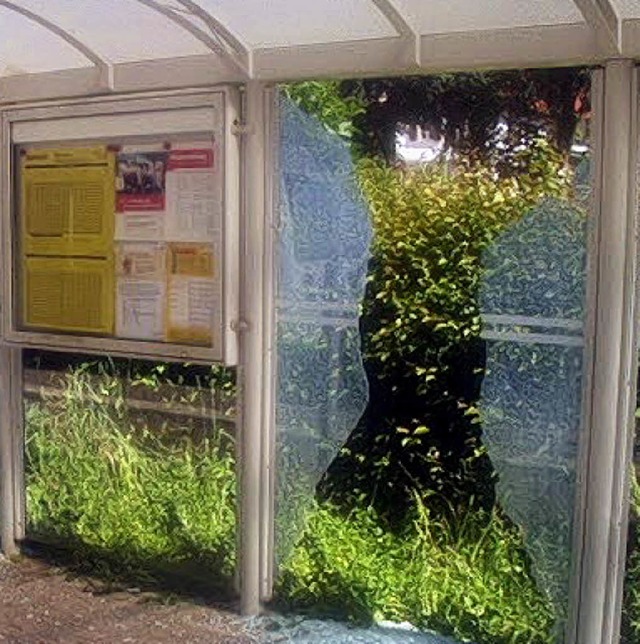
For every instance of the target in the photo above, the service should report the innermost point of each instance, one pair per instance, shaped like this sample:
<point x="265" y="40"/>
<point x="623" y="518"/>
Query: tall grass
<point x="128" y="502"/>
<point x="123" y="498"/>
<point x="466" y="577"/>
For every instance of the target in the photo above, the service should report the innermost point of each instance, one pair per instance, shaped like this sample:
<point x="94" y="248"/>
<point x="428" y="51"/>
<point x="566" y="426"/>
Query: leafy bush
<point x="466" y="577"/>
<point x="421" y="326"/>
<point x="325" y="100"/>
<point x="123" y="498"/>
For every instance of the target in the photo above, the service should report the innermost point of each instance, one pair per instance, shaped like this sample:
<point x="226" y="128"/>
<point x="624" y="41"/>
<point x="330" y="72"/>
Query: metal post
<point x="252" y="346"/>
<point x="612" y="377"/>
<point x="267" y="502"/>
<point x="11" y="461"/>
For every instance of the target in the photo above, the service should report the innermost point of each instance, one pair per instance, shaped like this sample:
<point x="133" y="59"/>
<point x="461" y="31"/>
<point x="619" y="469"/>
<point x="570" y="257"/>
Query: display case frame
<point x="101" y="120"/>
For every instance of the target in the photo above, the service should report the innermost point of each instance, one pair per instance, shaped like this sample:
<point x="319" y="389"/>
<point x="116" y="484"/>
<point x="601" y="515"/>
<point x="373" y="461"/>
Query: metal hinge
<point x="238" y="128"/>
<point x="238" y="326"/>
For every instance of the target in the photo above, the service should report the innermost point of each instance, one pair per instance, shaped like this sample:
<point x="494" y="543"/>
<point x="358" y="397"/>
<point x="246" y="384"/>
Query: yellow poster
<point x="68" y="294"/>
<point x="68" y="211"/>
<point x="67" y="214"/>
<point x="193" y="297"/>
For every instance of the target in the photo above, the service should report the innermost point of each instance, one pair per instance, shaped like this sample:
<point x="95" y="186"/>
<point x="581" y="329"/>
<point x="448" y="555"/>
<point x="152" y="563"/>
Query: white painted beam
<point x="400" y="24"/>
<point x="84" y="81"/>
<point x="229" y="40"/>
<point x="375" y="57"/>
<point x="169" y="12"/>
<point x="603" y="18"/>
<point x="151" y="75"/>
<point x="555" y="45"/>
<point x="518" y="48"/>
<point x="174" y="73"/>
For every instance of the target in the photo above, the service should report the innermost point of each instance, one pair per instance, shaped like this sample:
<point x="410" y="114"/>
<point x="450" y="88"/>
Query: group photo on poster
<point x="140" y="181"/>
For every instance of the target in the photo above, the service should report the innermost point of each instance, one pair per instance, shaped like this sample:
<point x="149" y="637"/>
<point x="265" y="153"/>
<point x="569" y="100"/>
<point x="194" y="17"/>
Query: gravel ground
<point x="41" y="604"/>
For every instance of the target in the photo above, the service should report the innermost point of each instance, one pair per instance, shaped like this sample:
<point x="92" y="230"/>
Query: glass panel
<point x="448" y="510"/>
<point x="324" y="248"/>
<point x="533" y="297"/>
<point x="130" y="469"/>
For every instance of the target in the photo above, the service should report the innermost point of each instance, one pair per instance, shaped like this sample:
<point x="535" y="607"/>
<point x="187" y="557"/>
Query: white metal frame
<point x="603" y="18"/>
<point x="611" y="367"/>
<point x="234" y="57"/>
<point x="269" y="360"/>
<point x="253" y="345"/>
<point x="224" y="103"/>
<point x="12" y="512"/>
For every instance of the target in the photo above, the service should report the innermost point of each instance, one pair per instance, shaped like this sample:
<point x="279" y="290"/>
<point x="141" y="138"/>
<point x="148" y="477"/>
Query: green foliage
<point x="465" y="577"/>
<point x="421" y="326"/>
<point x="325" y="101"/>
<point x="121" y="496"/>
<point x="431" y="227"/>
<point x="631" y="607"/>
<point x="132" y="506"/>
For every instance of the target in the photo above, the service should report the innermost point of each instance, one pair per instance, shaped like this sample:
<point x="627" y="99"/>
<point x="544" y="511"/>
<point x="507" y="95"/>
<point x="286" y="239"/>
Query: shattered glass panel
<point x="532" y="304"/>
<point x="323" y="254"/>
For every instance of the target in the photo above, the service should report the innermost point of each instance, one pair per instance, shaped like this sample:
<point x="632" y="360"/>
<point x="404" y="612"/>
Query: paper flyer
<point x="141" y="194"/>
<point x="140" y="181"/>
<point x="193" y="296"/>
<point x="141" y="260"/>
<point x="140" y="309"/>
<point x="141" y="291"/>
<point x="193" y="201"/>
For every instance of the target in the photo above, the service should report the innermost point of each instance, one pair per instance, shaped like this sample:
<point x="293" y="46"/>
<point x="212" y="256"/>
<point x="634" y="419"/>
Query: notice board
<point x="130" y="239"/>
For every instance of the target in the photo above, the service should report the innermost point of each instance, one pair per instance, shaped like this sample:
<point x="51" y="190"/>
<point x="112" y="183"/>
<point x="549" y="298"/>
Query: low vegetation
<point x="126" y="502"/>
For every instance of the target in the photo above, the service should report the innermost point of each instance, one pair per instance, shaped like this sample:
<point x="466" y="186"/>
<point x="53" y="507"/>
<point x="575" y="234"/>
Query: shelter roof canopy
<point x="51" y="48"/>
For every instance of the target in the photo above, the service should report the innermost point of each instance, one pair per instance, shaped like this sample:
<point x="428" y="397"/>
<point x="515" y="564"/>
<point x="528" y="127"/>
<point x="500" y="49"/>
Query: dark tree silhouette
<point x="469" y="111"/>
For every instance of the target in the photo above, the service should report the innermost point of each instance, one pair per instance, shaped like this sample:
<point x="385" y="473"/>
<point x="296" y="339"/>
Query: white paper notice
<point x="193" y="197"/>
<point x="191" y="204"/>
<point x="140" y="226"/>
<point x="141" y="291"/>
<point x="140" y="312"/>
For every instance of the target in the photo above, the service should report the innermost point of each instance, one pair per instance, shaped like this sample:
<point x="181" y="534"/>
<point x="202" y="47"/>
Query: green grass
<point x="125" y="500"/>
<point x="467" y="578"/>
<point x="130" y="503"/>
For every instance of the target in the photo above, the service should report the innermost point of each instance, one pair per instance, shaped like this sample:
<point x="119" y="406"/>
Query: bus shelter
<point x="177" y="99"/>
